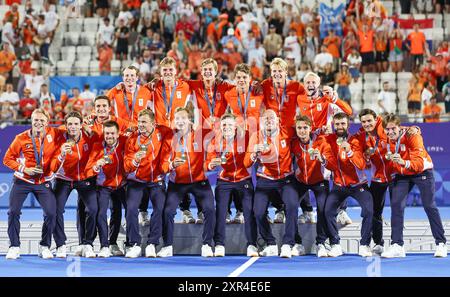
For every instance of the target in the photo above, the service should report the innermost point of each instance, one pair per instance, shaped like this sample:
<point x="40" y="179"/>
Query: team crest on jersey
<point x="49" y="138"/>
<point x="85" y="147"/>
<point x="141" y="102"/>
<point x="272" y="97"/>
<point x="343" y="155"/>
<point x="319" y="107"/>
<point x="179" y="94"/>
<point x="402" y="147"/>
<point x="283" y="143"/>
<point x="28" y="146"/>
<point x="252" y="103"/>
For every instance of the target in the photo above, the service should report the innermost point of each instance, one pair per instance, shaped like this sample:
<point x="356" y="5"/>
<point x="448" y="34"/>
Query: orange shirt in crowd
<point x="6" y="61"/>
<point x="418" y="41"/>
<point x="105" y="57"/>
<point x="366" y="41"/>
<point x="299" y="28"/>
<point x="333" y="44"/>
<point x="434" y="111"/>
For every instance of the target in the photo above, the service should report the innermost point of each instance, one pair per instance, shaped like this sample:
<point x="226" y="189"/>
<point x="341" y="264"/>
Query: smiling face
<point x="130" y="78"/>
<point x="73" y="125"/>
<point x="341" y="127"/>
<point x="208" y="72"/>
<point x="312" y="84"/>
<point x="145" y="124"/>
<point x="168" y="73"/>
<point x="278" y="74"/>
<point x="102" y="108"/>
<point x="38" y="123"/>
<point x="270" y="121"/>
<point x="110" y="134"/>
<point x="242" y="81"/>
<point x="392" y="131"/>
<point x="368" y="123"/>
<point x="303" y="130"/>
<point x="182" y="121"/>
<point x="228" y="127"/>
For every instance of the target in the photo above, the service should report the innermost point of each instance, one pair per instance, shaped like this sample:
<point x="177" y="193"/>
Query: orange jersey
<point x="412" y="150"/>
<point x="273" y="99"/>
<point x="321" y="110"/>
<point x="177" y="97"/>
<point x="72" y="167"/>
<point x="111" y="175"/>
<point x="434" y="111"/>
<point x="309" y="171"/>
<point x="149" y="168"/>
<point x="351" y="165"/>
<point x="247" y="107"/>
<point x="21" y="154"/>
<point x="126" y="105"/>
<point x="215" y="95"/>
<point x="191" y="147"/>
<point x="233" y="170"/>
<point x="276" y="163"/>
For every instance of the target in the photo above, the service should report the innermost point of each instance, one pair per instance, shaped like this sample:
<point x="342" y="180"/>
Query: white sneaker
<point x="321" y="251"/>
<point x="115" y="250"/>
<point x="279" y="218"/>
<point x="143" y="218"/>
<point x="302" y="218"/>
<point x="378" y="249"/>
<point x="239" y="218"/>
<point x="343" y="218"/>
<point x="364" y="251"/>
<point x="45" y="253"/>
<point x="207" y="251"/>
<point x="441" y="250"/>
<point x="13" y="253"/>
<point x="88" y="251"/>
<point x="219" y="251"/>
<point x="200" y="218"/>
<point x="269" y="251"/>
<point x="133" y="252"/>
<point x="336" y="251"/>
<point x="394" y="251"/>
<point x="166" y="251"/>
<point x="252" y="251"/>
<point x="298" y="250"/>
<point x="61" y="252"/>
<point x="269" y="219"/>
<point x="228" y="219"/>
<point x="150" y="251"/>
<point x="79" y="251"/>
<point x="104" y="252"/>
<point x="308" y="217"/>
<point x="188" y="218"/>
<point x="286" y="251"/>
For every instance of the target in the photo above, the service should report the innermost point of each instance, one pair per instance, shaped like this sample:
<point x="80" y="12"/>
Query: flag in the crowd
<point x="426" y="26"/>
<point x="331" y="18"/>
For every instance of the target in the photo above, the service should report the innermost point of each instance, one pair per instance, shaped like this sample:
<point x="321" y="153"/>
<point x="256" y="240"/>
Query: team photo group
<point x="154" y="146"/>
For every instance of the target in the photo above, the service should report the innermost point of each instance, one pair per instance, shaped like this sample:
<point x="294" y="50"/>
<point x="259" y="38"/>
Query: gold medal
<point x="183" y="157"/>
<point x="340" y="141"/>
<point x="223" y="159"/>
<point x="143" y="148"/>
<point x="311" y="153"/>
<point x="107" y="159"/>
<point x="388" y="155"/>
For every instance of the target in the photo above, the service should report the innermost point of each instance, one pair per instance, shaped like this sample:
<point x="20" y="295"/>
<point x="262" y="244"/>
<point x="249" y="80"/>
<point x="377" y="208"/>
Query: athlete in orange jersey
<point x="145" y="177"/>
<point x="186" y="165"/>
<point x="128" y="99"/>
<point x="349" y="180"/>
<point x="226" y="152"/>
<point x="412" y="166"/>
<point x="29" y="155"/>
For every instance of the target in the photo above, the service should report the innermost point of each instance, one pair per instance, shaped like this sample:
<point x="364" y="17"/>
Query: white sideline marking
<point x="243" y="267"/>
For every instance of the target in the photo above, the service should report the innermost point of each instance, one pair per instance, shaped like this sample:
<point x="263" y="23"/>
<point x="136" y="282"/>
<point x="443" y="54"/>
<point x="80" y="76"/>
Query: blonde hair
<point x="279" y="62"/>
<point x="242" y="68"/>
<point x="210" y="61"/>
<point x="41" y="111"/>
<point x="313" y="74"/>
<point x="168" y="61"/>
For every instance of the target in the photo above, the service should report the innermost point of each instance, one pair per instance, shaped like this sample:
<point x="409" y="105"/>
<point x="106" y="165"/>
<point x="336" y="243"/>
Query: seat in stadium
<point x="91" y="24"/>
<point x="115" y="67"/>
<point x="126" y="63"/>
<point x="74" y="24"/>
<point x="404" y="76"/>
<point x="438" y="34"/>
<point x="94" y="67"/>
<point x="89" y="38"/>
<point x="68" y="53"/>
<point x="437" y="19"/>
<point x="81" y="68"/>
<point x="71" y="38"/>
<point x="64" y="67"/>
<point x="84" y="53"/>
<point x="387" y="76"/>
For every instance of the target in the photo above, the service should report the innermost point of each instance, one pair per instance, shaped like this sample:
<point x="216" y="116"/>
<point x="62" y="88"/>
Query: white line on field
<point x="243" y="267"/>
